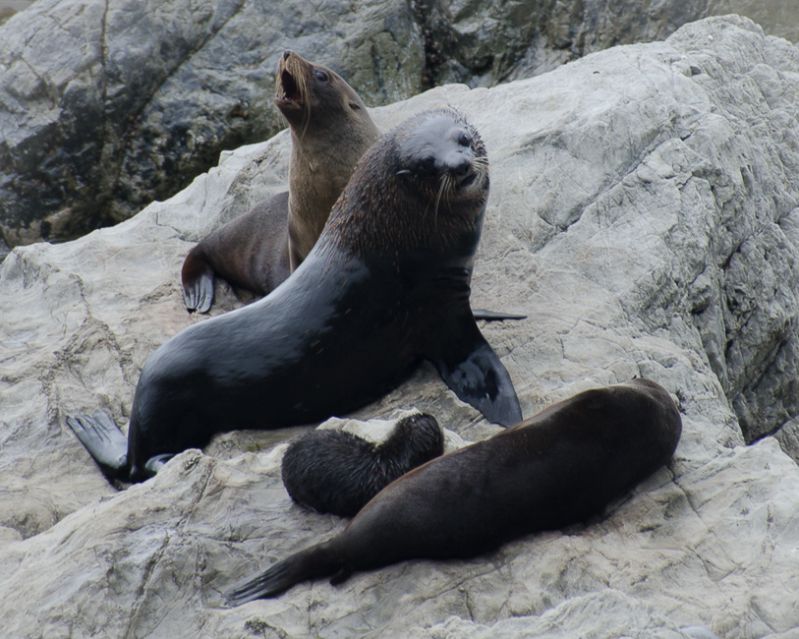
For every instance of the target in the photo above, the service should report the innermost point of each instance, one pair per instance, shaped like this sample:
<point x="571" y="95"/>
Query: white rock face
<point x="645" y="215"/>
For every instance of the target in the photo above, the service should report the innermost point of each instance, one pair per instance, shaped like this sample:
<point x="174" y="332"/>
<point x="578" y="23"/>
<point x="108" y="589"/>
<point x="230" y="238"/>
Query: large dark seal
<point x="333" y="471"/>
<point x="559" y="467"/>
<point x="330" y="131"/>
<point x="386" y="286"/>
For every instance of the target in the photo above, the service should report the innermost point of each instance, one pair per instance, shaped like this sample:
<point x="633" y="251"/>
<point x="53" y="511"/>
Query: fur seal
<point x="333" y="471"/>
<point x="330" y="131"/>
<point x="559" y="467"/>
<point x="386" y="286"/>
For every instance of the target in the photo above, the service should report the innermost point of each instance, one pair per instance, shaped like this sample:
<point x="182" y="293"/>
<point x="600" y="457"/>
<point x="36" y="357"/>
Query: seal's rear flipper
<point x="469" y="366"/>
<point x="311" y="563"/>
<point x="105" y="442"/>
<point x="495" y="316"/>
<point x="197" y="277"/>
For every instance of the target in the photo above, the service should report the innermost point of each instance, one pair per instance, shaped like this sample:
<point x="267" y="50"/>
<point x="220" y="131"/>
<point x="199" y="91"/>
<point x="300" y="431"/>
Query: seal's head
<point x="311" y="96"/>
<point x="423" y="185"/>
<point x="443" y="156"/>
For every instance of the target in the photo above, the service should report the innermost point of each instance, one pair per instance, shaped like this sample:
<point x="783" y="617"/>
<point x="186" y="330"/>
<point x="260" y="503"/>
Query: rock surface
<point x="644" y="214"/>
<point x="485" y="43"/>
<point x="107" y="106"/>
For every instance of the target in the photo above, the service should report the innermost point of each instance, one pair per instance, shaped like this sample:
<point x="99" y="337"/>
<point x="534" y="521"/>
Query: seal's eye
<point x="320" y="75"/>
<point x="464" y="139"/>
<point x="354" y="106"/>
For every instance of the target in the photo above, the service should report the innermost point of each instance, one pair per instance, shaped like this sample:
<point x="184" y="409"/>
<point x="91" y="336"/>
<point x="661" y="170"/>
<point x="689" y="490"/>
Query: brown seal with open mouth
<point x="330" y="130"/>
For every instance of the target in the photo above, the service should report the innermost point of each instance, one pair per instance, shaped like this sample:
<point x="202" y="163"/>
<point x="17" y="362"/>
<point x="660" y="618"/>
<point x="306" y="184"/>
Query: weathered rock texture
<point x="644" y="214"/>
<point x="105" y="106"/>
<point x="488" y="42"/>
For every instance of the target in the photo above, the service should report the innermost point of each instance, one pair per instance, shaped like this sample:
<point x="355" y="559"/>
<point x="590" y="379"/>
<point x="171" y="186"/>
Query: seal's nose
<point x="457" y="162"/>
<point x="286" y="54"/>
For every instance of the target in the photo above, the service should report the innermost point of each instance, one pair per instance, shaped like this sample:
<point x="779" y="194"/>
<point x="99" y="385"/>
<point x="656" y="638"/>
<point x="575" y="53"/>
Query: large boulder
<point x="107" y="106"/>
<point x="644" y="214"/>
<point x="489" y="42"/>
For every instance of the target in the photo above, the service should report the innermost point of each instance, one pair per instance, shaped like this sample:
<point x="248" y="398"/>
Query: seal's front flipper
<point x="495" y="316"/>
<point x="197" y="277"/>
<point x="105" y="442"/>
<point x="473" y="371"/>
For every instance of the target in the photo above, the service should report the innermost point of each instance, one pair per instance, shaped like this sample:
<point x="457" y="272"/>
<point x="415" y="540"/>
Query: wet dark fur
<point x="386" y="286"/>
<point x="333" y="471"/>
<point x="560" y="467"/>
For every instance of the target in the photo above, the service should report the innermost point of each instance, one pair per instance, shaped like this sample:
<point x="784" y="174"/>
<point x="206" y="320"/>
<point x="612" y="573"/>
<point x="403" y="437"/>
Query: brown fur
<point x="330" y="130"/>
<point x="420" y="219"/>
<point x="560" y="467"/>
<point x="329" y="134"/>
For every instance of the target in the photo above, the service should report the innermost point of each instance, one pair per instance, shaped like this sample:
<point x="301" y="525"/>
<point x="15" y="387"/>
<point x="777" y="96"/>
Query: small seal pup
<point x="559" y="467"/>
<point x="333" y="471"/>
<point x="330" y="130"/>
<point x="386" y="286"/>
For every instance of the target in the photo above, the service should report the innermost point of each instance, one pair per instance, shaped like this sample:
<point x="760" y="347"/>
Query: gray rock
<point x="643" y="214"/>
<point x="486" y="43"/>
<point x="105" y="106"/>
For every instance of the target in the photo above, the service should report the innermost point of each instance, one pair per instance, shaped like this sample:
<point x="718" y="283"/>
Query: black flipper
<point x="470" y="367"/>
<point x="198" y="282"/>
<point x="495" y="316"/>
<point x="311" y="563"/>
<point x="105" y="442"/>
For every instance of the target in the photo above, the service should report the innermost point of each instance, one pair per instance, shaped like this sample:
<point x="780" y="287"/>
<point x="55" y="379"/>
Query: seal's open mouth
<point x="288" y="93"/>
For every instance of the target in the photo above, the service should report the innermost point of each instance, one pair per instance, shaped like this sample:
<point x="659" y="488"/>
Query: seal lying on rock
<point x="330" y="131"/>
<point x="386" y="286"/>
<point x="559" y="467"/>
<point x="333" y="471"/>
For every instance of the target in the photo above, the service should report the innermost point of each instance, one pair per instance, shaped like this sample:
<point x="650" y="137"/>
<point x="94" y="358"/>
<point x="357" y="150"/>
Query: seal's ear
<point x="469" y="366"/>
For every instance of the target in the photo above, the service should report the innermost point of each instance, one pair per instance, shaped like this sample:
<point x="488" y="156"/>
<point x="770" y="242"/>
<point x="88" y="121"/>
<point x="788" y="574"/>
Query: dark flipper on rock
<point x="106" y="443"/>
<point x="198" y="282"/>
<point x="495" y="316"/>
<point x="312" y="563"/>
<point x="470" y="367"/>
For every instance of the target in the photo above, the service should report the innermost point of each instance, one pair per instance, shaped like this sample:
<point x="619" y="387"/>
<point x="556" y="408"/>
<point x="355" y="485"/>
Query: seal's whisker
<point x="451" y="184"/>
<point x="305" y="93"/>
<point x="300" y="77"/>
<point x="442" y="186"/>
<point x="480" y="165"/>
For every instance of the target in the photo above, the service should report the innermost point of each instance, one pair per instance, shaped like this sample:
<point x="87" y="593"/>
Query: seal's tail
<point x="311" y="563"/>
